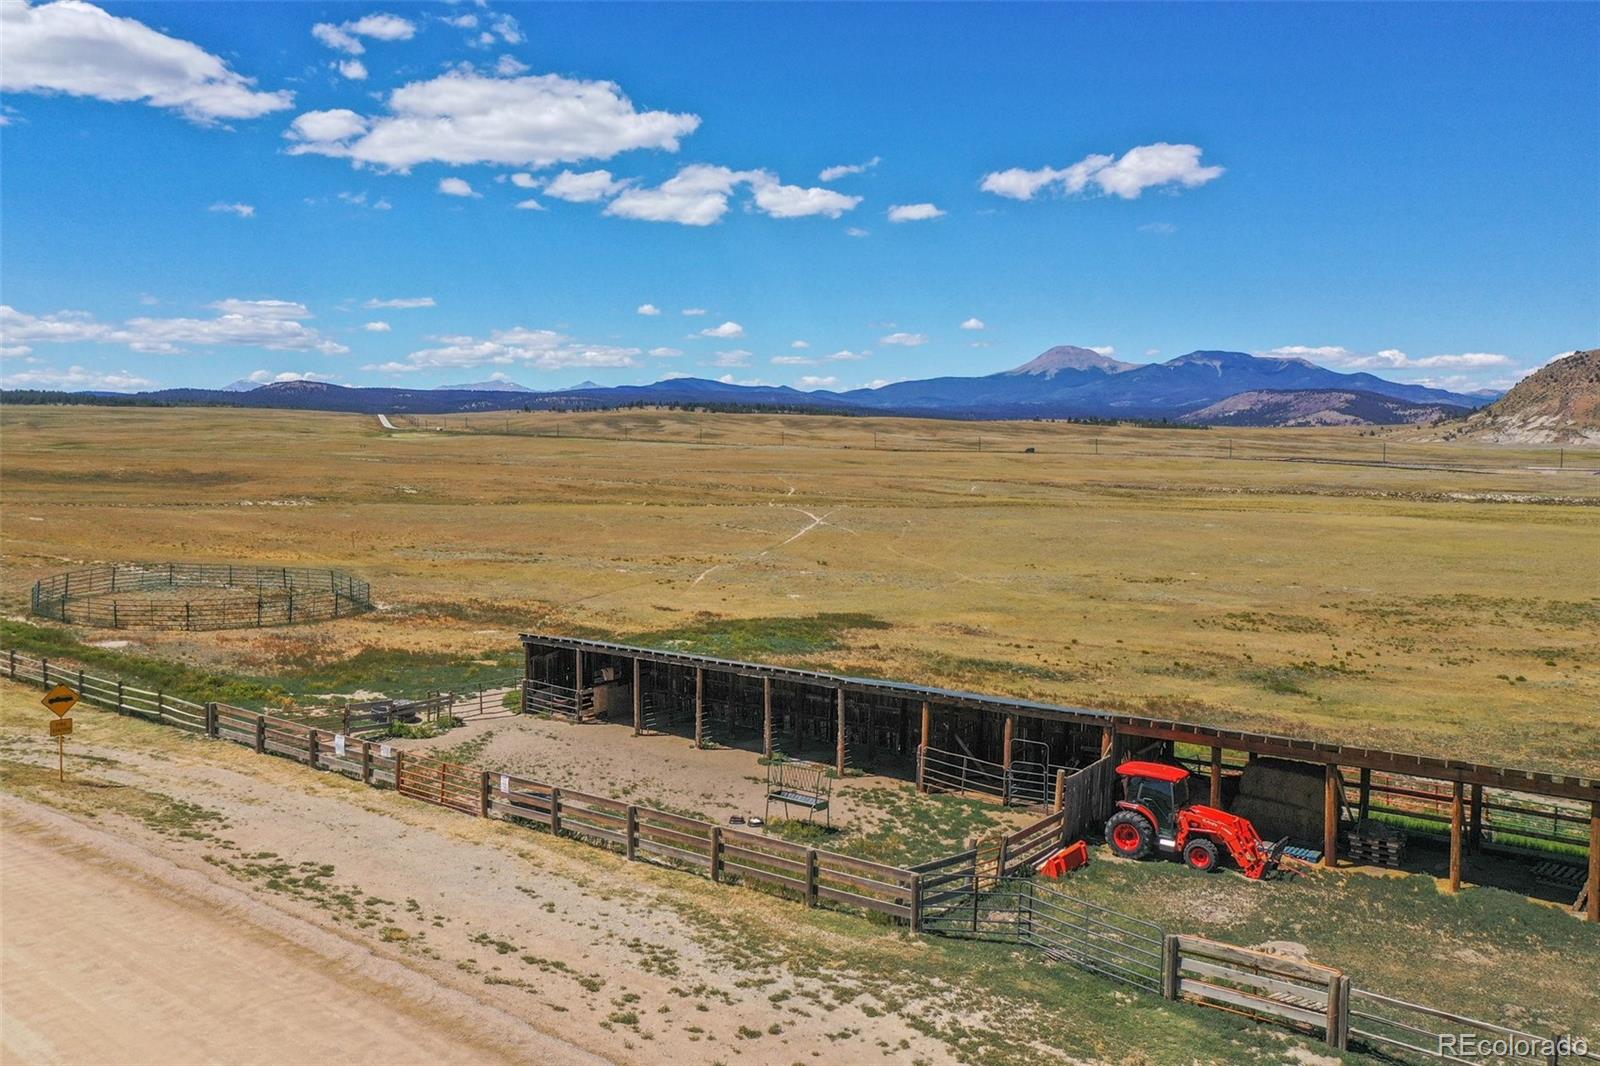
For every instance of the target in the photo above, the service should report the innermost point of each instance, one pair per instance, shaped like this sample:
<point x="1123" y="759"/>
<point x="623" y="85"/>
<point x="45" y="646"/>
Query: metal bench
<point x="799" y="784"/>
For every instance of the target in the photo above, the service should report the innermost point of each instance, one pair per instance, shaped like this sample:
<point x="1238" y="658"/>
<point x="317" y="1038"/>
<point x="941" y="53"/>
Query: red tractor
<point x="1155" y="814"/>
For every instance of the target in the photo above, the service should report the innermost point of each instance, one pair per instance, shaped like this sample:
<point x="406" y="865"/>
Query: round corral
<point x="198" y="595"/>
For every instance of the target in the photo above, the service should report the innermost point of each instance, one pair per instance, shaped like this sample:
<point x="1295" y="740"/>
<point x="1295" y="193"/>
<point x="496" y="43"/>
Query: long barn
<point x="1014" y="749"/>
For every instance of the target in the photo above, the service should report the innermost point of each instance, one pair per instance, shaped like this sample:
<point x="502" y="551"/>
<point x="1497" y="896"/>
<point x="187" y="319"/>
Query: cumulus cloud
<point x="76" y="48"/>
<point x="666" y="353"/>
<point x="539" y="349"/>
<point x="792" y="201"/>
<point x="857" y="231"/>
<point x="845" y="355"/>
<point x="693" y="311"/>
<point x="529" y="204"/>
<point x="648" y="309"/>
<point x="456" y="187"/>
<point x="914" y="213"/>
<point x="268" y="377"/>
<point x="376" y="327"/>
<point x="242" y="210"/>
<point x="698" y="195"/>
<point x="1386" y="359"/>
<point x="905" y="340"/>
<point x="733" y="357"/>
<point x="346" y="36"/>
<point x="353" y="69"/>
<point x="401" y="303"/>
<point x="1147" y="166"/>
<point x="847" y="169"/>
<point x="1106" y="350"/>
<point x="725" y="331"/>
<point x="812" y="381"/>
<point x="800" y="344"/>
<point x="272" y="324"/>
<point x="583" y="188"/>
<point x="464" y="117"/>
<point x="793" y="360"/>
<point x="75" y="378"/>
<point x="974" y="323"/>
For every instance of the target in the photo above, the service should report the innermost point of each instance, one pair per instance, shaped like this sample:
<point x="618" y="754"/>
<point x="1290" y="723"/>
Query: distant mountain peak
<point x="1068" y="357"/>
<point x="242" y="385"/>
<point x="584" y="384"/>
<point x="492" y="385"/>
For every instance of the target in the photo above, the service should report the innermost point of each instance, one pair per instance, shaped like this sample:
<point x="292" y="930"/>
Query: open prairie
<point x="1444" y="601"/>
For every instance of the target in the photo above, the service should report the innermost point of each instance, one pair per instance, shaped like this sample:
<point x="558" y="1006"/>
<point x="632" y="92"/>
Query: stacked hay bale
<point x="1283" y="799"/>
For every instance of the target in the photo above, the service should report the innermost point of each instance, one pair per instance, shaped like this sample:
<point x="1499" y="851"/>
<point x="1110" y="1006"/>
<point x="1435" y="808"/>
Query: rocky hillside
<point x="1319" y="407"/>
<point x="1559" y="404"/>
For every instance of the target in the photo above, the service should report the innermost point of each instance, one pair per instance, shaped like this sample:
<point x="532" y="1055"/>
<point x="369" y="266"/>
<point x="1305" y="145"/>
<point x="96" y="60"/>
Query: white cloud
<point x="845" y="170"/>
<point x="335" y="125"/>
<point x="905" y="340"/>
<point x="242" y="210"/>
<point x="666" y="353"/>
<point x="728" y="379"/>
<point x="456" y="187"/>
<point x="467" y="21"/>
<point x="648" y="309"/>
<point x="465" y="117"/>
<point x="1160" y="229"/>
<point x="76" y="48"/>
<point x="914" y="213"/>
<point x="793" y="201"/>
<point x="845" y="355"/>
<point x="376" y="327"/>
<point x="698" y="196"/>
<point x="271" y="324"/>
<point x="1145" y="167"/>
<point x="695" y="311"/>
<point x="1150" y="353"/>
<point x="793" y="360"/>
<point x="974" y="323"/>
<point x="1106" y="350"/>
<point x="857" y="231"/>
<point x="400" y="303"/>
<point x="353" y="69"/>
<point x="529" y="204"/>
<point x="539" y="349"/>
<point x="812" y="381"/>
<point x="510" y="66"/>
<point x="268" y="377"/>
<point x="725" y="331"/>
<point x="345" y="37"/>
<point x="734" y="357"/>
<point x="75" y="378"/>
<point x="507" y="28"/>
<point x="878" y="383"/>
<point x="800" y="344"/>
<point x="583" y="188"/>
<point x="1386" y="359"/>
<point x="524" y="181"/>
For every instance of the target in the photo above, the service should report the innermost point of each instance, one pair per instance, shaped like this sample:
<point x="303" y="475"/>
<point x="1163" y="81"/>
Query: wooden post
<point x="1594" y="861"/>
<point x="839" y="755"/>
<point x="632" y="840"/>
<point x="1216" y="778"/>
<point x="555" y="810"/>
<point x="366" y="763"/>
<point x="261" y="734"/>
<point x="211" y="720"/>
<point x="922" y="769"/>
<point x="1169" y="967"/>
<point x="1109" y="745"/>
<point x="1364" y="803"/>
<point x="1475" y="834"/>
<point x="346" y="721"/>
<point x="1061" y="789"/>
<point x="915" y="889"/>
<point x="699" y="706"/>
<point x="119" y="697"/>
<point x="811" y="877"/>
<point x="927" y="723"/>
<point x="1337" y="1011"/>
<point x="577" y="685"/>
<point x="399" y="759"/>
<point x="483" y="794"/>
<point x="1330" y="815"/>
<point x="766" y="717"/>
<point x="1456" y="791"/>
<point x="716" y="853"/>
<point x="638" y="699"/>
<point x="311" y="747"/>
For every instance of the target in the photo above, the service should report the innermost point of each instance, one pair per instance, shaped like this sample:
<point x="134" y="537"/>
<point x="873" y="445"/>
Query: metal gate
<point x="446" y="783"/>
<point x="1028" y="783"/>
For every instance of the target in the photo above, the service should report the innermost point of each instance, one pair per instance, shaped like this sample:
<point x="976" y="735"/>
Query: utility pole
<point x="1230" y="447"/>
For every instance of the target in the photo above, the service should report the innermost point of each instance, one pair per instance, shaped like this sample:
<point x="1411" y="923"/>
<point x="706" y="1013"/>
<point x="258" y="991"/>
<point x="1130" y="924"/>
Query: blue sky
<point x="436" y="193"/>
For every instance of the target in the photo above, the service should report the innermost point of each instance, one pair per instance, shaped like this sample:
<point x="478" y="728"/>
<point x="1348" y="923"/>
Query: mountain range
<point x="1063" y="382"/>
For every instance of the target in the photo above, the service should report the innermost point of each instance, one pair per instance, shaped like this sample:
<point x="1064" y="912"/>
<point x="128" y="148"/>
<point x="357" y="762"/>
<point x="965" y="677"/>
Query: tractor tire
<point x="1130" y="835"/>
<point x="1201" y="854"/>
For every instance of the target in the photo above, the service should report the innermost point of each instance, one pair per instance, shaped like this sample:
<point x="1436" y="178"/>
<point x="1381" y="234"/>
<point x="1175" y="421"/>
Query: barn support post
<point x="839" y="753"/>
<point x="922" y="747"/>
<point x="1364" y="803"/>
<point x="1008" y="734"/>
<point x="1330" y="815"/>
<point x="1216" y="777"/>
<point x="577" y="684"/>
<point x="1475" y="832"/>
<point x="638" y="698"/>
<point x="1594" y="861"/>
<point x="1110" y="743"/>
<point x="699" y="706"/>
<point x="766" y="717"/>
<point x="1061" y="789"/>
<point x="1456" y="803"/>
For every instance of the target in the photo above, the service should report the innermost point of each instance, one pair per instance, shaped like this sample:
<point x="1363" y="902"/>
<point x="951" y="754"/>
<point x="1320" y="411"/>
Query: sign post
<point x="60" y="700"/>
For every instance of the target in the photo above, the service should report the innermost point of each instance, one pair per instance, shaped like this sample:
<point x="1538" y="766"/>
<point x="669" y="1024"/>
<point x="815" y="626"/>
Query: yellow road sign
<point x="60" y="699"/>
<point x="60" y="727"/>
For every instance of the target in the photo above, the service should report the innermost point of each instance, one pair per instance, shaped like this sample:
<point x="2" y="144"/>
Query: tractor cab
<point x="1160" y="790"/>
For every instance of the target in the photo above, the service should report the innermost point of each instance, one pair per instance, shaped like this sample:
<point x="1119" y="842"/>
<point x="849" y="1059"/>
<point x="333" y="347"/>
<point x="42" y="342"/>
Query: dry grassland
<point x="1446" y="602"/>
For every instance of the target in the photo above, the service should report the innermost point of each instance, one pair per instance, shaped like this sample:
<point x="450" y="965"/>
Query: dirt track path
<point x="114" y="955"/>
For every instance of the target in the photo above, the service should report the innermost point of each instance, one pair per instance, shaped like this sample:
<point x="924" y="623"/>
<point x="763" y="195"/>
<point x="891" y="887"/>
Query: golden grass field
<point x="1447" y="602"/>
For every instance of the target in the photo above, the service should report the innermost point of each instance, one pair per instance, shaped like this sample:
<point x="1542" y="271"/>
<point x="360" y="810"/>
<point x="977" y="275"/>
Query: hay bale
<point x="1282" y="798"/>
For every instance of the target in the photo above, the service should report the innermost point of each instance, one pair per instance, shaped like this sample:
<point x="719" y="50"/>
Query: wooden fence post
<point x="483" y="794"/>
<point x="1594" y="861"/>
<point x="311" y="747"/>
<point x="1169" y="966"/>
<point x="13" y="654"/>
<point x="631" y="844"/>
<point x="555" y="811"/>
<point x="1455" y="835"/>
<point x="916" y="902"/>
<point x="811" y="877"/>
<point x="399" y="758"/>
<point x="211" y="720"/>
<point x="161" y="709"/>
<point x="716" y="853"/>
<point x="80" y="681"/>
<point x="261" y="734"/>
<point x="119" y="697"/>
<point x="1061" y="789"/>
<point x="1338" y="1011"/>
<point x="922" y="768"/>
<point x="366" y="763"/>
<point x="44" y="672"/>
